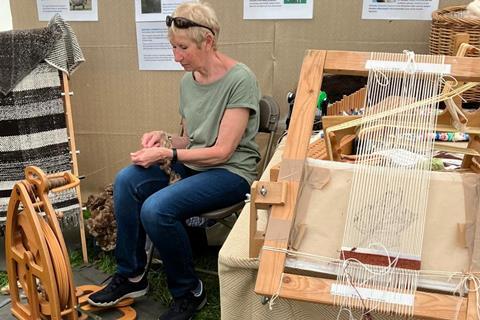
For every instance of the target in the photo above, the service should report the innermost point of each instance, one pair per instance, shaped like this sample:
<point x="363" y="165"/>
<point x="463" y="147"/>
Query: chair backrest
<point x="269" y="118"/>
<point x="269" y="114"/>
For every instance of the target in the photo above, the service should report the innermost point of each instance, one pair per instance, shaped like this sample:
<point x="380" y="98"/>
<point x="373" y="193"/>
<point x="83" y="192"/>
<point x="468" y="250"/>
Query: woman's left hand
<point x="149" y="156"/>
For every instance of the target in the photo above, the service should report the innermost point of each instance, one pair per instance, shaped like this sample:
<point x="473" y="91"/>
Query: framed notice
<point x="399" y="9"/>
<point x="278" y="9"/>
<point x="70" y="10"/>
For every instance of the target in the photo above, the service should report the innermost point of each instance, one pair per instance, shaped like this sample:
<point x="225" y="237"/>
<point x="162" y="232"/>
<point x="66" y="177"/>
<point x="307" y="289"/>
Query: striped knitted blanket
<point x="33" y="132"/>
<point x="32" y="119"/>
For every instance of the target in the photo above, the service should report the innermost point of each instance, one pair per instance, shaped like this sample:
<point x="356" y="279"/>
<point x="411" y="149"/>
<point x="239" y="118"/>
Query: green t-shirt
<point x="202" y="106"/>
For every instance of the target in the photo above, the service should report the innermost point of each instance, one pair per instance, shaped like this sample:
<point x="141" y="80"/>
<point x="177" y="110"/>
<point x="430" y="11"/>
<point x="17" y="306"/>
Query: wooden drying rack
<point x="271" y="270"/>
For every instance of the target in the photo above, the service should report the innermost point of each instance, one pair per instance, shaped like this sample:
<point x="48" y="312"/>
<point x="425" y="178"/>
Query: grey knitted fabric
<point x="21" y="51"/>
<point x="66" y="55"/>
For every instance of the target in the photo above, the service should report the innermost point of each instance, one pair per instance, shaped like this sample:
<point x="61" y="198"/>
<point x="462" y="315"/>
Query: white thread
<point x="444" y="80"/>
<point x="382" y="201"/>
<point x="293" y="253"/>
<point x="376" y="74"/>
<point x="276" y="294"/>
<point x="411" y="66"/>
<point x="473" y="278"/>
<point x="350" y="314"/>
<point x="391" y="264"/>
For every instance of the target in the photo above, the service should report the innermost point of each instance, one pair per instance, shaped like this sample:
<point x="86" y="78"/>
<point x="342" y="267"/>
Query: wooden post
<point x="272" y="262"/>
<point x="73" y="150"/>
<point x="472" y="310"/>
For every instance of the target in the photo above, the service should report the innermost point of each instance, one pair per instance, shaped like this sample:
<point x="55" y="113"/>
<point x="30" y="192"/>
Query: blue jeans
<point x="145" y="204"/>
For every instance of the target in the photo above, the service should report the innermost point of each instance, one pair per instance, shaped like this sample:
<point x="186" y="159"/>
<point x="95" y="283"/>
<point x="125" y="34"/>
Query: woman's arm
<point x="232" y="127"/>
<point x="181" y="141"/>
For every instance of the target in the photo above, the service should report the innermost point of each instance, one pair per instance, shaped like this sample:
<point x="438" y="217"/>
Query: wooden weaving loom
<point x="274" y="279"/>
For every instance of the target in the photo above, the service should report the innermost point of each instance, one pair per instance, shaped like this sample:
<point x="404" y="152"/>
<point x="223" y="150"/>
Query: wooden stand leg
<point x="73" y="149"/>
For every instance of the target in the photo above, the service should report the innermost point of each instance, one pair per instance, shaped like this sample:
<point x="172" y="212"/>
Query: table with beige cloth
<point x="238" y="272"/>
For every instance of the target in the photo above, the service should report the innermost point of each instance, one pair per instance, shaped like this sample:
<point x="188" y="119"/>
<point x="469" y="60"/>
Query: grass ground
<point x="3" y="279"/>
<point x="205" y="259"/>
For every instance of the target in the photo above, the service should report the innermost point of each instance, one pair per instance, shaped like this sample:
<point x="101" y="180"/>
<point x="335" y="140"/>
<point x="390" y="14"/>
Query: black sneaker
<point x="119" y="288"/>
<point x="184" y="308"/>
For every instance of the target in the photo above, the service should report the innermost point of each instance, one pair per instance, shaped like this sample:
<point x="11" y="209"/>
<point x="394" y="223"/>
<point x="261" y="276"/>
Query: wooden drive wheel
<point x="36" y="255"/>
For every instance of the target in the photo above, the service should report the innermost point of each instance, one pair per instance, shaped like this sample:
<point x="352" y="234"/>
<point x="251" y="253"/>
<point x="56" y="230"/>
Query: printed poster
<point x="154" y="49"/>
<point x="70" y="10"/>
<point x="399" y="9"/>
<point x="278" y="9"/>
<point x="154" y="10"/>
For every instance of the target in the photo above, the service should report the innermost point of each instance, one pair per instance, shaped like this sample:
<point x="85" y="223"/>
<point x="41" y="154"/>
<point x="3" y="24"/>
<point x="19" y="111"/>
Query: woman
<point x="216" y="157"/>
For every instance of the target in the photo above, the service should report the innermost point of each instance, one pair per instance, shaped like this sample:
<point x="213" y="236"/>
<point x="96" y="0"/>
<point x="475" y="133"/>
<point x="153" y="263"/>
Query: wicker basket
<point x="446" y="23"/>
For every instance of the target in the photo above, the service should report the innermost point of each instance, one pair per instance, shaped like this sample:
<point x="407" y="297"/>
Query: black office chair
<point x="269" y="117"/>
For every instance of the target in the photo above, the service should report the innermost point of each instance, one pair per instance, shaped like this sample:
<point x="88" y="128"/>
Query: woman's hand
<point x="147" y="157"/>
<point x="153" y="139"/>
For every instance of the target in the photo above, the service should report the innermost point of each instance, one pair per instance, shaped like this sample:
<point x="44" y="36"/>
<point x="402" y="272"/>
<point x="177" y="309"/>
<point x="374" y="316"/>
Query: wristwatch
<point x="174" y="155"/>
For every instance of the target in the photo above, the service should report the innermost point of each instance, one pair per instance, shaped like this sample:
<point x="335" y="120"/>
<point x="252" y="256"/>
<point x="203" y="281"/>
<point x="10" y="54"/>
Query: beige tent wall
<point x="114" y="102"/>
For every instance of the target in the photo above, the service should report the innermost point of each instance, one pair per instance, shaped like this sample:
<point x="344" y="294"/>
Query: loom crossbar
<point x="353" y="63"/>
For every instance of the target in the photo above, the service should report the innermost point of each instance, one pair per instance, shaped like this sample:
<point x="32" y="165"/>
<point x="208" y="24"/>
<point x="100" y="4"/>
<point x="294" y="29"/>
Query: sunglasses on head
<point x="184" y="23"/>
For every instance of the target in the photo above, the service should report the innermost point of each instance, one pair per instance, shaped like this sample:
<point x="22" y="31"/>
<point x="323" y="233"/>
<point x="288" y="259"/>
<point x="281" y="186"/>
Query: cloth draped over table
<point x="32" y="119"/>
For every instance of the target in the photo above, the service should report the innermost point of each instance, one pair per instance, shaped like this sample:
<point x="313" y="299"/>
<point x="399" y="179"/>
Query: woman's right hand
<point x="148" y="156"/>
<point x="153" y="139"/>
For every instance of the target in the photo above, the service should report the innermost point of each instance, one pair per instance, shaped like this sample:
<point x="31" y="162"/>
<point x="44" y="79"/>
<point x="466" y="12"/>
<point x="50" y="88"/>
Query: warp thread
<point x="473" y="278"/>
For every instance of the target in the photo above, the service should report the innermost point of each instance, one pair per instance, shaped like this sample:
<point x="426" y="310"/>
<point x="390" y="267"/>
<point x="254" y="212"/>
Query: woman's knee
<point x="124" y="177"/>
<point x="153" y="215"/>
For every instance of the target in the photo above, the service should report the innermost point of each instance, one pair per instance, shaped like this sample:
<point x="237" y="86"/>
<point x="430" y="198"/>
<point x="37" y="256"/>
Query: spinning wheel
<point x="36" y="254"/>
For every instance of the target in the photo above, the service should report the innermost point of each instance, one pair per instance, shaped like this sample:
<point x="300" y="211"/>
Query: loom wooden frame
<point x="271" y="272"/>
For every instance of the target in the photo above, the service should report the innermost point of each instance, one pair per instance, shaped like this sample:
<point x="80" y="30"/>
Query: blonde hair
<point x="201" y="13"/>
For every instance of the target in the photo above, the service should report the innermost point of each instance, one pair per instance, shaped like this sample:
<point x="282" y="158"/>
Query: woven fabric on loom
<point x="33" y="132"/>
